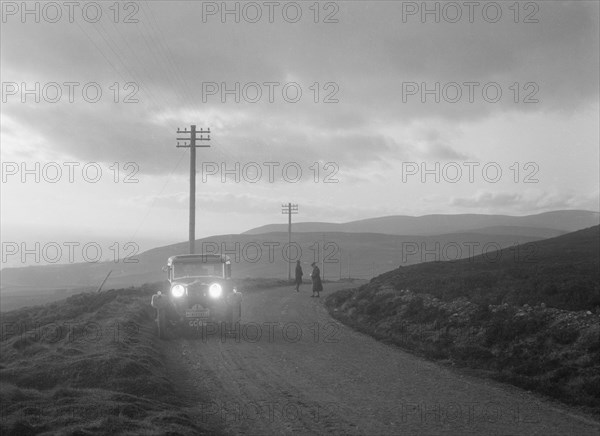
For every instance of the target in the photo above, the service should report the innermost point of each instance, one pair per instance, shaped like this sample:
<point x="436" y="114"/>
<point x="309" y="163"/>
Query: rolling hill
<point x="546" y="224"/>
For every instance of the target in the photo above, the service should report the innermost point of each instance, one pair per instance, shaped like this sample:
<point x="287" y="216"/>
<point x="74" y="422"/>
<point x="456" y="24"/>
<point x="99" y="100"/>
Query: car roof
<point x="204" y="258"/>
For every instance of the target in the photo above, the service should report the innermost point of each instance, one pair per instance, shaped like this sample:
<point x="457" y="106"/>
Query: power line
<point x="159" y="194"/>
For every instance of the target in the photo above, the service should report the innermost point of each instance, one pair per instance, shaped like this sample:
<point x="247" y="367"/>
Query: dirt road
<point x="292" y="369"/>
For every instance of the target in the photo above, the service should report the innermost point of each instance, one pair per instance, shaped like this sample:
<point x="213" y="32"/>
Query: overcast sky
<point x="366" y="128"/>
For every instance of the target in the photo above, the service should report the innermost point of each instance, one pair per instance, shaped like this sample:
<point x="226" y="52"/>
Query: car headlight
<point x="177" y="291"/>
<point x="215" y="290"/>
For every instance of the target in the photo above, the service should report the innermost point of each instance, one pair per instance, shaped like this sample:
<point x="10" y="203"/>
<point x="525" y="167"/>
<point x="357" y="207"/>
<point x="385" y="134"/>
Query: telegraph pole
<point x="192" y="146"/>
<point x="289" y="209"/>
<point x="323" y="257"/>
<point x="348" y="264"/>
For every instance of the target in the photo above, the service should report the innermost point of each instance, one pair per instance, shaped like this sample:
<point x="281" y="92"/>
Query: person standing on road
<point x="316" y="280"/>
<point x="299" y="275"/>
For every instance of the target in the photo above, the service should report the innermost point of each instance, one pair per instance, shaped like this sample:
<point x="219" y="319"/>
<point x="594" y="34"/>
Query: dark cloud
<point x="170" y="53"/>
<point x="214" y="201"/>
<point x="526" y="201"/>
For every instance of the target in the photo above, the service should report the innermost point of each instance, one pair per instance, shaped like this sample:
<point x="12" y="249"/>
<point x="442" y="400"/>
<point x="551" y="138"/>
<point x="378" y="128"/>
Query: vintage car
<point x="201" y="291"/>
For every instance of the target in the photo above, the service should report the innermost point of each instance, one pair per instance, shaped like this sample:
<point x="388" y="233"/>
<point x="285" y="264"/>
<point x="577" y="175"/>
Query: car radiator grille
<point x="197" y="294"/>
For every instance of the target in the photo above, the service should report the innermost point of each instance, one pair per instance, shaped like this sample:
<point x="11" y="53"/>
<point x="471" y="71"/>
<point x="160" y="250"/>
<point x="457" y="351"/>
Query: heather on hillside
<point x="562" y="272"/>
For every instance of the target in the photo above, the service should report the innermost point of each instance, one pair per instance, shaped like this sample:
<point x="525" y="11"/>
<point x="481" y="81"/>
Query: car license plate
<point x="197" y="313"/>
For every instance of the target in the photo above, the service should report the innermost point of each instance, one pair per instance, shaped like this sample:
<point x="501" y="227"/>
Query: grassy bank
<point x="551" y="351"/>
<point x="87" y="365"/>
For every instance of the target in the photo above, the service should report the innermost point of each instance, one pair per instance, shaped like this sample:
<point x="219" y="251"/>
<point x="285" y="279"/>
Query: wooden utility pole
<point x="323" y="258"/>
<point x="348" y="264"/>
<point x="289" y="209"/>
<point x="192" y="146"/>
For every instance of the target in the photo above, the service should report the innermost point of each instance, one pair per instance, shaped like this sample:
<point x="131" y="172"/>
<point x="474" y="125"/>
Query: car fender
<point x="159" y="301"/>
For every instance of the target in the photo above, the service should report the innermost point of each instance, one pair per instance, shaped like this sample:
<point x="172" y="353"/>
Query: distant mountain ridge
<point x="547" y="224"/>
<point x="381" y="247"/>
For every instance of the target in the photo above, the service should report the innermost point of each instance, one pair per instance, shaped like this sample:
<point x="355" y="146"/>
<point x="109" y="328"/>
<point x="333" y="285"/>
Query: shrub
<point x="565" y="335"/>
<point x="414" y="307"/>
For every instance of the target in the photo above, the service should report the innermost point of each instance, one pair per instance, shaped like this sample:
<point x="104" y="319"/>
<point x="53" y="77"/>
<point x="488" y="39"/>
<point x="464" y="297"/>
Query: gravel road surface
<point x="291" y="368"/>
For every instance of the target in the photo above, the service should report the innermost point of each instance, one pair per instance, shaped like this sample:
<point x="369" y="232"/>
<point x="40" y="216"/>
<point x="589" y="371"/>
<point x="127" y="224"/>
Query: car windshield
<point x="183" y="270"/>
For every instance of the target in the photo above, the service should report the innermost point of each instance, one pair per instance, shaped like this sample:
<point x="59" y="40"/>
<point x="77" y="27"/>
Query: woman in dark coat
<point x="299" y="275"/>
<point x="316" y="280"/>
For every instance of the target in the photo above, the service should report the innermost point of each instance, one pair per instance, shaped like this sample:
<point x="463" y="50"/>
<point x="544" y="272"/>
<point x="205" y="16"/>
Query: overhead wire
<point x="159" y="50"/>
<point x="148" y="92"/>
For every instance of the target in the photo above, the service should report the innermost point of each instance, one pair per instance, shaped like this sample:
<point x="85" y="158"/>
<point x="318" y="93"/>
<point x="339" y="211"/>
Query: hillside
<point x="562" y="272"/>
<point x="531" y="321"/>
<point x="549" y="224"/>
